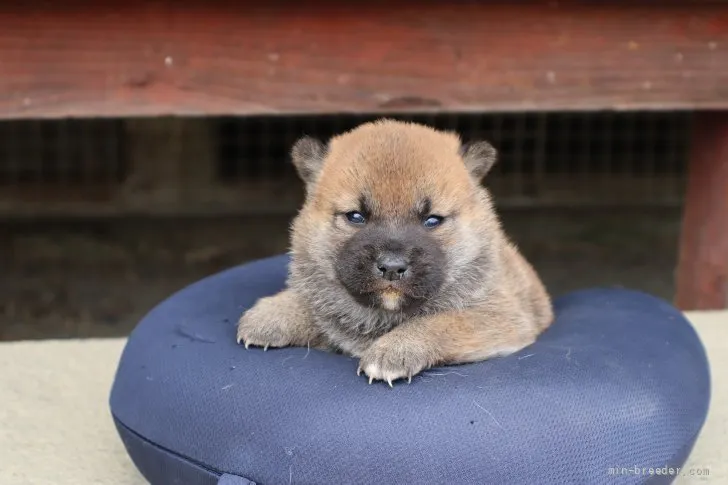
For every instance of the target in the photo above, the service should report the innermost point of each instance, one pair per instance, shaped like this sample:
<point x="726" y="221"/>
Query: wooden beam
<point x="128" y="58"/>
<point x="702" y="276"/>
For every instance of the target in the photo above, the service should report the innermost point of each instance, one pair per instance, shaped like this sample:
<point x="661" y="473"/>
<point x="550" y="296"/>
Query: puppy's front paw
<point x="389" y="359"/>
<point x="266" y="324"/>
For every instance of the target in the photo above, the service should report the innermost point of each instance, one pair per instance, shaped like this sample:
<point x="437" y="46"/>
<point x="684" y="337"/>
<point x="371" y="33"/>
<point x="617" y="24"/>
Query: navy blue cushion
<point x="620" y="380"/>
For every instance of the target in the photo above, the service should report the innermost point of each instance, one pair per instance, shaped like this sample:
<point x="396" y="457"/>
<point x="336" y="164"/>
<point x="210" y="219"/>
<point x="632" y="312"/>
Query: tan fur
<point x="492" y="302"/>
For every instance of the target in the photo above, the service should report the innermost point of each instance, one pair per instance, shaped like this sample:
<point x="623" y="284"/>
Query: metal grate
<point x="213" y="165"/>
<point x="42" y="161"/>
<point x="545" y="158"/>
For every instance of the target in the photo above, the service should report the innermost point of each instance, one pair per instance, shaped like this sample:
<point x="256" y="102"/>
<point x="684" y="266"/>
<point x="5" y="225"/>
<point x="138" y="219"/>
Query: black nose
<point x="392" y="267"/>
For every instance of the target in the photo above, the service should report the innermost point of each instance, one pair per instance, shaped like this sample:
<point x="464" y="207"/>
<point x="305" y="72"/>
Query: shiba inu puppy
<point x="398" y="257"/>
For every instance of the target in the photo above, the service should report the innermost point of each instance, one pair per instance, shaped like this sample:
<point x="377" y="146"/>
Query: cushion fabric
<point x="619" y="385"/>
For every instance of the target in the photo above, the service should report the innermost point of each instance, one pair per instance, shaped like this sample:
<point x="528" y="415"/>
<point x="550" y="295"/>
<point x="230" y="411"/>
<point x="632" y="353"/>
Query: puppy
<point x="398" y="258"/>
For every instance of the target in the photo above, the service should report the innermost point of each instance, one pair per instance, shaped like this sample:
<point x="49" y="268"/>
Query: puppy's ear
<point x="308" y="157"/>
<point x="479" y="158"/>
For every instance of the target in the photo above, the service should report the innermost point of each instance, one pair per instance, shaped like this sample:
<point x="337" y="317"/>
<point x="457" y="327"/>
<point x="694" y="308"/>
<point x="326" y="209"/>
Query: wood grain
<point x="205" y="58"/>
<point x="702" y="276"/>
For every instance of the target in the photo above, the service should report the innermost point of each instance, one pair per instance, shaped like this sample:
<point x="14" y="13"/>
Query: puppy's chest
<point x="354" y="334"/>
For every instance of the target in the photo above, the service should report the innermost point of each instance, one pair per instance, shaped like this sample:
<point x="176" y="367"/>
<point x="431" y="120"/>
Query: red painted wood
<point x="204" y="58"/>
<point x="702" y="276"/>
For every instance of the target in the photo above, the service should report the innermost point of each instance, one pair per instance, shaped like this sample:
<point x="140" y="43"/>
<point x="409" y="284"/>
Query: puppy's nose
<point x="392" y="267"/>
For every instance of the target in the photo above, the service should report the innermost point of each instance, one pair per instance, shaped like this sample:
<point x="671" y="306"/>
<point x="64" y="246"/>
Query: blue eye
<point x="356" y="217"/>
<point x="433" y="221"/>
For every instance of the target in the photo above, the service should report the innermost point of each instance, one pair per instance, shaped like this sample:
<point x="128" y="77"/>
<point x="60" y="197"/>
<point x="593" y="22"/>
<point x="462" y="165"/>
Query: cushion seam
<point x="208" y="468"/>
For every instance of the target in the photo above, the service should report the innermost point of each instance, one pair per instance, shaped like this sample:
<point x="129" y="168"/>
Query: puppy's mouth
<point x="392" y="296"/>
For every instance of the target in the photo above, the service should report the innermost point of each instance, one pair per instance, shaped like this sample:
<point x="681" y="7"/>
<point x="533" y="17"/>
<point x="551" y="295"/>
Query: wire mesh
<point x="546" y="159"/>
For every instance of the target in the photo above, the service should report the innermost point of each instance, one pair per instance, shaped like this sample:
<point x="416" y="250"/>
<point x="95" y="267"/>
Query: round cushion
<point x="618" y="385"/>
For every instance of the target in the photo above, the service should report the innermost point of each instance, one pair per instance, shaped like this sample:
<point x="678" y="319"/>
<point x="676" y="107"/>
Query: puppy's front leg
<point x="446" y="338"/>
<point x="278" y="321"/>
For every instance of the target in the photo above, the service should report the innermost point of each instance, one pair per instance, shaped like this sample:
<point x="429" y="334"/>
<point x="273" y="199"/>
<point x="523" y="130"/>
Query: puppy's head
<point x="394" y="212"/>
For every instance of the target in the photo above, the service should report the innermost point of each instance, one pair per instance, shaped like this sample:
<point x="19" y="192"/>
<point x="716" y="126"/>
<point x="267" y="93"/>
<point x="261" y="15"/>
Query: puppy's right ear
<point x="308" y="157"/>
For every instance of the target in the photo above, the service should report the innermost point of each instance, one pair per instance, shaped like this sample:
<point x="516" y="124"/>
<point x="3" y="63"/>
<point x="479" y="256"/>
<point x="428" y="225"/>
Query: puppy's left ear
<point x="308" y="156"/>
<point x="479" y="158"/>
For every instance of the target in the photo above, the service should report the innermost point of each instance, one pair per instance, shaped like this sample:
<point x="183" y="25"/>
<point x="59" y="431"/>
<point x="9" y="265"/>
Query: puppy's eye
<point x="356" y="218"/>
<point x="433" y="221"/>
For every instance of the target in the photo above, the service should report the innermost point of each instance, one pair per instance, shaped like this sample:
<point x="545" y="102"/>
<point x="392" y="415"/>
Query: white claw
<point x="247" y="344"/>
<point x="239" y="339"/>
<point x="265" y="348"/>
<point x="371" y="379"/>
<point x="409" y="379"/>
<point x="358" y="371"/>
<point x="389" y="381"/>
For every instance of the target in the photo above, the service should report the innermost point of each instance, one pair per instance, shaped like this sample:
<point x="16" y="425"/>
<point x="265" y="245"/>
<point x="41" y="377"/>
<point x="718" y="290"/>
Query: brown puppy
<point x="398" y="257"/>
